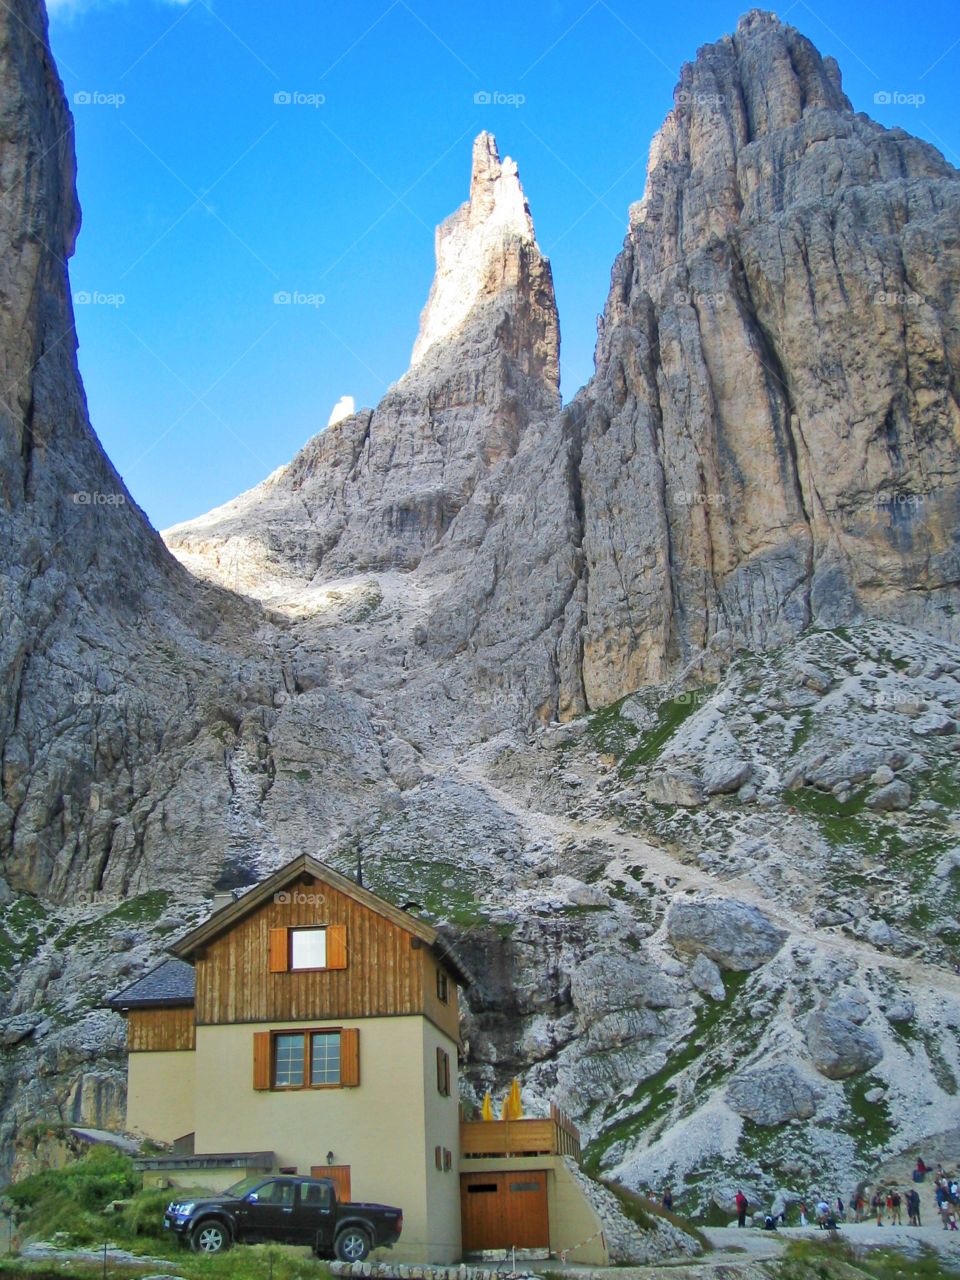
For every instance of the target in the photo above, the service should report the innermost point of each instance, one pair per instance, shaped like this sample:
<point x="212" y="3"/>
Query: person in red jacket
<point x="741" y="1209"/>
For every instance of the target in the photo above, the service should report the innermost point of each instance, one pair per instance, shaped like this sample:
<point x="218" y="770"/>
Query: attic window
<point x="308" y="948"/>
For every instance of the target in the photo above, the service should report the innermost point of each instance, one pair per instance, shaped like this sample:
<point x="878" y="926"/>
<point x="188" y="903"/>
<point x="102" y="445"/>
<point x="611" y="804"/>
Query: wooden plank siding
<point x="160" y="1030"/>
<point x="445" y="1016"/>
<point x="388" y="971"/>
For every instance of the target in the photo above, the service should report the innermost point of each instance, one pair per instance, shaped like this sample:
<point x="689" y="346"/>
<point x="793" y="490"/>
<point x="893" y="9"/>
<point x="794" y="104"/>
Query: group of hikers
<point x="886" y="1203"/>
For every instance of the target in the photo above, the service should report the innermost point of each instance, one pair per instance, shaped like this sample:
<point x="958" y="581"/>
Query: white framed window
<point x="308" y="948"/>
<point x="288" y="1062"/>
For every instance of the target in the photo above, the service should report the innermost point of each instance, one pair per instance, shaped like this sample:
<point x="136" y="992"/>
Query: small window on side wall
<point x="443" y="986"/>
<point x="443" y="1073"/>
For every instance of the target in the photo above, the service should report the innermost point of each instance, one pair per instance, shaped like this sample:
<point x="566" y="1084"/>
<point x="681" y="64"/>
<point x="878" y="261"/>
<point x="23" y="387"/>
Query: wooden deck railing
<point x="556" y="1136"/>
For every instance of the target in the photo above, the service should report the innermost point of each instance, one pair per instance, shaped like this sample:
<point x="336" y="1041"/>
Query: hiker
<point x="913" y="1207"/>
<point x="895" y="1209"/>
<point x="876" y="1204"/>
<point x="823" y="1212"/>
<point x="920" y="1172"/>
<point x="742" y="1203"/>
<point x="840" y="1209"/>
<point x="861" y="1207"/>
<point x="803" y="1213"/>
<point x="667" y="1201"/>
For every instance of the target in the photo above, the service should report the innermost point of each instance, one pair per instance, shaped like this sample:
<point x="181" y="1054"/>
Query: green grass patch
<point x="642" y="1211"/>
<point x="145" y="908"/>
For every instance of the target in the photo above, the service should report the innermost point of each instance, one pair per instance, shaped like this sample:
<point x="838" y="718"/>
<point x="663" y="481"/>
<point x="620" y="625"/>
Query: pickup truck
<point x="286" y="1210"/>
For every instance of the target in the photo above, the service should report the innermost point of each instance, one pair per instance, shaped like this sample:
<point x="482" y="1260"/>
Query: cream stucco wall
<point x="442" y="1125"/>
<point x="574" y="1223"/>
<point x="385" y="1130"/>
<point x="160" y="1094"/>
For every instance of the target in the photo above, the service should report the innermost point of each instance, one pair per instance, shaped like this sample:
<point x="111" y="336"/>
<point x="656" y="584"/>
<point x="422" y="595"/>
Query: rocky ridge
<point x="701" y="918"/>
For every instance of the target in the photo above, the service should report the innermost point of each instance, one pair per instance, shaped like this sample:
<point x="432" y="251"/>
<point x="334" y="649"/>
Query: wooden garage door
<point x="504" y="1210"/>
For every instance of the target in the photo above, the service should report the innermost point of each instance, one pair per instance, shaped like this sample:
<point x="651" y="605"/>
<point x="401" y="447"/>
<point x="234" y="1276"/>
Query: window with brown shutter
<point x="279" y="950"/>
<point x="443" y="986"/>
<point x="262" y="1042"/>
<point x="443" y="1073"/>
<point x="350" y="1057"/>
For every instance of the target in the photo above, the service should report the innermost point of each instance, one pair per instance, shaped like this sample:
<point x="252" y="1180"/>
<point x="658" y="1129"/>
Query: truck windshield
<point x="240" y="1189"/>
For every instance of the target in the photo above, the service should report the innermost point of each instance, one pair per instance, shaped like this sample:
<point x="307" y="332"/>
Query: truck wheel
<point x="352" y="1245"/>
<point x="209" y="1237"/>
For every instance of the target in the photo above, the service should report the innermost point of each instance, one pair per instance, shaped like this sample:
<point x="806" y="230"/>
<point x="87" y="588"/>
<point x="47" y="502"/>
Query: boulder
<point x="735" y="934"/>
<point x="838" y="1046"/>
<point x="674" y="787"/>
<point x="772" y="1095"/>
<point x="721" y="777"/>
<point x="895" y="795"/>
<point x="706" y="977"/>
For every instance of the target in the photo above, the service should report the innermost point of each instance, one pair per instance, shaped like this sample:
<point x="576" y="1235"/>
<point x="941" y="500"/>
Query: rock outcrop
<point x="736" y="935"/>
<point x="376" y="490"/>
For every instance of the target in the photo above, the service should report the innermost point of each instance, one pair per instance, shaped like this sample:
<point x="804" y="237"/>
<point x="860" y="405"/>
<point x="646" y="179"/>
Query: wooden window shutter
<point x="350" y="1057"/>
<point x="279" y="950"/>
<point x="261" y="1059"/>
<point x="336" y="946"/>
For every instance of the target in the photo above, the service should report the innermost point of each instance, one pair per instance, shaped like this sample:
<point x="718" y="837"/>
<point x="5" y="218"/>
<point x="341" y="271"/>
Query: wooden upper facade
<point x="374" y="961"/>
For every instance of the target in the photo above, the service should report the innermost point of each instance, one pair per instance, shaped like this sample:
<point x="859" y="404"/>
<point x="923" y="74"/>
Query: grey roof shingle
<point x="171" y="982"/>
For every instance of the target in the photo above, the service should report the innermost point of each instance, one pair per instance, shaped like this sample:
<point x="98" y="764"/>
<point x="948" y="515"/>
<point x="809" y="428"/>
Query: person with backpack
<point x="876" y="1204"/>
<point x="742" y="1204"/>
<point x="895" y="1218"/>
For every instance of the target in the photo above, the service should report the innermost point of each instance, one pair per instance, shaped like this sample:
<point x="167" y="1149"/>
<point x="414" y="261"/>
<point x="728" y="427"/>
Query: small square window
<point x="288" y="1062"/>
<point x="308" y="948"/>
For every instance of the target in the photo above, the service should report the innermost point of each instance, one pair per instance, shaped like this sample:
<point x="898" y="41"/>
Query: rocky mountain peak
<point x="477" y="246"/>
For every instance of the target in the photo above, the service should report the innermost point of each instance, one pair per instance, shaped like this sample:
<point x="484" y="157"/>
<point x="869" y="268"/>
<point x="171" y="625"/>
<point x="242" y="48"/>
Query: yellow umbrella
<point x="486" y="1108"/>
<point x="512" y="1106"/>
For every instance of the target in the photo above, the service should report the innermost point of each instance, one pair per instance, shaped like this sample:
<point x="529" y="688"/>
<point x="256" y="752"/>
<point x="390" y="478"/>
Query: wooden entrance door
<point x="339" y="1175"/>
<point x="504" y="1210"/>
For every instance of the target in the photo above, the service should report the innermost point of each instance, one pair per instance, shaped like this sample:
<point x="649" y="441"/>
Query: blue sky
<point x="203" y="197"/>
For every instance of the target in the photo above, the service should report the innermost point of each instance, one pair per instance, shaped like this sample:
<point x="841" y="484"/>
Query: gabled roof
<point x="221" y="921"/>
<point x="170" y="983"/>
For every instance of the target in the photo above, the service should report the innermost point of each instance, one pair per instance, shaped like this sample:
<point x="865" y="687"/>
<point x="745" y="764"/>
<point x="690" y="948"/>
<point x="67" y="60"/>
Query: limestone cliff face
<point x="771" y="435"/>
<point x="380" y="488"/>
